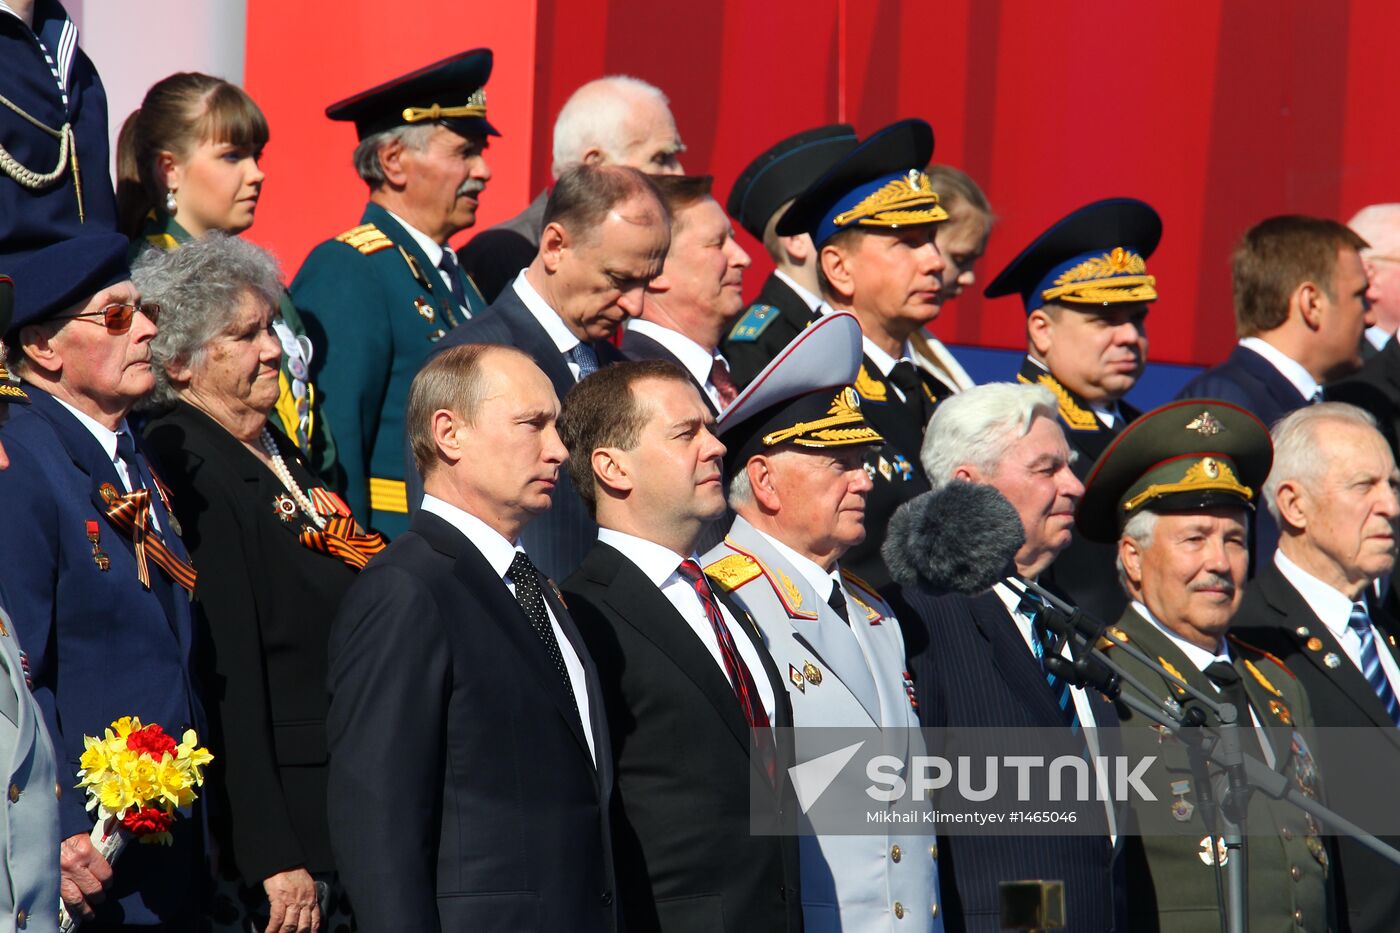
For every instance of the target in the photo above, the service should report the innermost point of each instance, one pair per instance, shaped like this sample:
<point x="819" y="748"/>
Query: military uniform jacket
<point x="374" y="307"/>
<point x="777" y="316"/>
<point x="44" y="212"/>
<point x="101" y="645"/>
<point x="29" y="809"/>
<point x="1085" y="572"/>
<point x="839" y="677"/>
<point x="1171" y="887"/>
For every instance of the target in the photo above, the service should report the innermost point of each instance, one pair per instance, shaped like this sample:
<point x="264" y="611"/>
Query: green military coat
<point x="375" y="307"/>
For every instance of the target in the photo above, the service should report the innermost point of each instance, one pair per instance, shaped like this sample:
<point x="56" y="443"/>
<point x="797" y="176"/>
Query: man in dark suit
<point x="791" y="296"/>
<point x="706" y="827"/>
<point x="470" y="766"/>
<point x="976" y="660"/>
<point x="106" y="623"/>
<point x="697" y="294"/>
<point x="605" y="236"/>
<point x="1312" y="605"/>
<point x="616" y="120"/>
<point x="1086" y="291"/>
<point x="1302" y="301"/>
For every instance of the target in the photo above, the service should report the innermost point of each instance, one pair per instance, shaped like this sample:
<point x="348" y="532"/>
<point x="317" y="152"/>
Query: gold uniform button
<point x="1296" y="873"/>
<point x="898" y="910"/>
<point x="895" y="854"/>
<point x="934" y="909"/>
<point x="933" y="851"/>
<point x="14" y="793"/>
<point x="21" y="917"/>
<point x="1298" y="917"/>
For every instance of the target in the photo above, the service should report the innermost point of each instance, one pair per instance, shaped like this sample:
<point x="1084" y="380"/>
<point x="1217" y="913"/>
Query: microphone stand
<point x="1093" y="667"/>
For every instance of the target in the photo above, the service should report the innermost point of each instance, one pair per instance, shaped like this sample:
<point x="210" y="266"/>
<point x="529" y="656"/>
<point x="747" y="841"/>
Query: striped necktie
<point x="1360" y="622"/>
<point x="1043" y="641"/>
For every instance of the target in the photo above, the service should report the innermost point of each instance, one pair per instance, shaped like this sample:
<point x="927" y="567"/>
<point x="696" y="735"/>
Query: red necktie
<point x="740" y="678"/>
<point x="723" y="383"/>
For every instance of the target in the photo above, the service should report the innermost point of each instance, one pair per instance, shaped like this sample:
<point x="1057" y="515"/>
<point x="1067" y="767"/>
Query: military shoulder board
<point x="367" y="238"/>
<point x="754" y="322"/>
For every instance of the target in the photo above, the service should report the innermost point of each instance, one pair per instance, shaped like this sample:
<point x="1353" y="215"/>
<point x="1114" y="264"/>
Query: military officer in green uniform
<point x="377" y="297"/>
<point x="1173" y="491"/>
<point x="872" y="219"/>
<point x="1086" y="290"/>
<point x="791" y="297"/>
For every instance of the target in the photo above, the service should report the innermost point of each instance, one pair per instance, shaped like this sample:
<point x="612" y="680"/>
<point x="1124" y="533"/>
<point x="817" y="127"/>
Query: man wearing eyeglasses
<point x="95" y="576"/>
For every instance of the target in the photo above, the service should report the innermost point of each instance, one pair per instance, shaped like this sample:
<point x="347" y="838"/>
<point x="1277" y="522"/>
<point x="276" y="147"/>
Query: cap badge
<point x="1207" y="424"/>
<point x="1207" y="473"/>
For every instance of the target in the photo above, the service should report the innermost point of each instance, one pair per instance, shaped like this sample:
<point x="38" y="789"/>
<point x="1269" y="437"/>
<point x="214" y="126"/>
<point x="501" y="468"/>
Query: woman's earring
<point x="170" y="206"/>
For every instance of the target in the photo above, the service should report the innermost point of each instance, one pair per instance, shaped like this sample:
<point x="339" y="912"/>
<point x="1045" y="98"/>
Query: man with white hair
<point x="1376" y="387"/>
<point x="1332" y="491"/>
<point x="616" y="120"/>
<point x="986" y="669"/>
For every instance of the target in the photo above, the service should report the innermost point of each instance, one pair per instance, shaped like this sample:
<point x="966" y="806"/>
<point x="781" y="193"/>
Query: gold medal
<point x="812" y="673"/>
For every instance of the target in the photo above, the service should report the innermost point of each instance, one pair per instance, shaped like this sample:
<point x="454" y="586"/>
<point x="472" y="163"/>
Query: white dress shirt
<point x="696" y="359"/>
<point x="1333" y="608"/>
<point x="499" y="553"/>
<point x="107" y="439"/>
<point x="1287" y="367"/>
<point x="884" y="362"/>
<point x="661" y="565"/>
<point x="1377" y="336"/>
<point x="818" y="579"/>
<point x="812" y="301"/>
<point x="430" y="247"/>
<point x="564" y="339"/>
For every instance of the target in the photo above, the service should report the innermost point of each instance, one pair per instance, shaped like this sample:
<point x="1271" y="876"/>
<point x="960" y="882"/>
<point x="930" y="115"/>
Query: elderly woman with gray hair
<point x="275" y="553"/>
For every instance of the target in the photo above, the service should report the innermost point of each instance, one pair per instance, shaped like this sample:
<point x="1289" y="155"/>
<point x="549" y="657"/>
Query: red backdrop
<point x="1218" y="112"/>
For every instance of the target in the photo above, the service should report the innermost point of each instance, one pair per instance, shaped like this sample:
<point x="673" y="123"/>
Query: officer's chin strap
<point x="1089" y="666"/>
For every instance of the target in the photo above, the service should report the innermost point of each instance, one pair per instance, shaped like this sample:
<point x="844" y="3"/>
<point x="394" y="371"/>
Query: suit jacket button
<point x="895" y="854"/>
<point x="933" y="909"/>
<point x="607" y="898"/>
<point x="933" y="851"/>
<point x="1296" y="873"/>
<point x="898" y="910"/>
<point x="1287" y="834"/>
<point x="14" y="793"/>
<point x="1298" y="917"/>
<point x="782" y="892"/>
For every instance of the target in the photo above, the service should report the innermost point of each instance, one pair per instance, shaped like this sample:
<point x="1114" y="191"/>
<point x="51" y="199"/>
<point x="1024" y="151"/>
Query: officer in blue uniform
<point x="54" y="156"/>
<point x="95" y="576"/>
<point x="1087" y="291"/>
<point x="377" y="297"/>
<point x="791" y="297"/>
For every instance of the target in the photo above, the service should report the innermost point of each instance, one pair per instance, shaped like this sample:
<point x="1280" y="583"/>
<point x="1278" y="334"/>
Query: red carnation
<point x="152" y="740"/>
<point x="148" y="820"/>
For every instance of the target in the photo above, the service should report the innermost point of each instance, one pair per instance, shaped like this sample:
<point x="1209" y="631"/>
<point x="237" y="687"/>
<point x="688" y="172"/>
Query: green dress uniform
<point x="375" y="307"/>
<point x="297" y="408"/>
<point x="1172" y="887"/>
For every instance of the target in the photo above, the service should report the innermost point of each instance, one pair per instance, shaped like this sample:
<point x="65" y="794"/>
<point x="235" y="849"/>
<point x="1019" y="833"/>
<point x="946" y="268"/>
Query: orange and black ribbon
<point x="131" y="515"/>
<point x="342" y="538"/>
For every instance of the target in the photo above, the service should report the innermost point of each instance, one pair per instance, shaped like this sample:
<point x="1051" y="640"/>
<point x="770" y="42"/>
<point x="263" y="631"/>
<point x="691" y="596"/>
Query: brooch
<point x="285" y="507"/>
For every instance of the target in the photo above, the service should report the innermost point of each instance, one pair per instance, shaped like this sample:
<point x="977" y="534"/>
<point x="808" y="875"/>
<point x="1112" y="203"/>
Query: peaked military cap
<point x="65" y="274"/>
<point x="1095" y="256"/>
<point x="783" y="171"/>
<point x="1186" y="455"/>
<point x="879" y="184"/>
<point x="803" y="397"/>
<point x="450" y="92"/>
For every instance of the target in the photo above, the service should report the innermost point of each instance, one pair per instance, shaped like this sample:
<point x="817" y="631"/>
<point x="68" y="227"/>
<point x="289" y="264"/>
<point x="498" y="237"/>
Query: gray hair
<point x="740" y="487"/>
<point x="199" y="287"/>
<point x="596" y="115"/>
<point x="1140" y="528"/>
<point x="976" y="426"/>
<point x="1379" y="225"/>
<point x="366" y="155"/>
<point x="1297" y="454"/>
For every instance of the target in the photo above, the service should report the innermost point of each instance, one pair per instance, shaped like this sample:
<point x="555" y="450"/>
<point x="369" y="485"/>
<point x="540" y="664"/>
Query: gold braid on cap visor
<point x="831" y="431"/>
<point x="903" y="201"/>
<point x="1205" y="475"/>
<point x="1112" y="278"/>
<point x="474" y="107"/>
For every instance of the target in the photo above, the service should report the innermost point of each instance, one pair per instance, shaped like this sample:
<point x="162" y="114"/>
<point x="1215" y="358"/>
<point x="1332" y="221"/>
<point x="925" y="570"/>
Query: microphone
<point x="962" y="538"/>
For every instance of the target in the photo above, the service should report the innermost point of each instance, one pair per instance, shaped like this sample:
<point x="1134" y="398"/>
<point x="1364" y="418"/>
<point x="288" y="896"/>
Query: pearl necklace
<point x="280" y="468"/>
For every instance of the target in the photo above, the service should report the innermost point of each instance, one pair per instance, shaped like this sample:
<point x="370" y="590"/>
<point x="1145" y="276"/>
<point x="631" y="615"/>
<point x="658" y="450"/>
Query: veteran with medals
<point x="872" y="218"/>
<point x="797" y="482"/>
<point x="1086" y="290"/>
<point x="378" y="297"/>
<point x="1174" y="491"/>
<point x="99" y="586"/>
<point x="276" y="553"/>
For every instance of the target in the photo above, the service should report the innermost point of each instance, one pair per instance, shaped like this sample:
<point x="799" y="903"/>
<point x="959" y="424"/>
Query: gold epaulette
<point x="1246" y="646"/>
<point x="367" y="238"/>
<point x="1113" y="635"/>
<point x="733" y="571"/>
<point x="162" y="241"/>
<point x="1259" y="676"/>
<point x="868" y="387"/>
<point x="746" y="567"/>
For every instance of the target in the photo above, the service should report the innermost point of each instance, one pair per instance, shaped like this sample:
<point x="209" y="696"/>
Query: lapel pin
<point x="1314" y="644"/>
<point x="797" y="679"/>
<point x="1331" y="660"/>
<point x="1302" y="631"/>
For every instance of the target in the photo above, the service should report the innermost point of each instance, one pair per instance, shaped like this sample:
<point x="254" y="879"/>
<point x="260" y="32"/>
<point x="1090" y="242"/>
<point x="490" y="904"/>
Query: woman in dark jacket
<point x="275" y="553"/>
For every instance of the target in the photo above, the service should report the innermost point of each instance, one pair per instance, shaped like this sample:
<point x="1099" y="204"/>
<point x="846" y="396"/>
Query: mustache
<point x="470" y="187"/>
<point x="1214" y="582"/>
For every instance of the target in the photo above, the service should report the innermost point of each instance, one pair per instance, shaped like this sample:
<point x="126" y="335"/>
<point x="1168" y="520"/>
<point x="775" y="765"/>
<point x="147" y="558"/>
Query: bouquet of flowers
<point x="136" y="778"/>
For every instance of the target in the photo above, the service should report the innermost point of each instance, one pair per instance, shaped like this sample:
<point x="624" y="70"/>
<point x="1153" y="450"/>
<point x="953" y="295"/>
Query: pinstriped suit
<point x="971" y="667"/>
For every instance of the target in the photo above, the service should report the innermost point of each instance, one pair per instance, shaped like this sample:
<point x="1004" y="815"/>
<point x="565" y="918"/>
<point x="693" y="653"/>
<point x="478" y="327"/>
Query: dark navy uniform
<point x="776" y="316"/>
<point x="374" y="305"/>
<point x="54" y="180"/>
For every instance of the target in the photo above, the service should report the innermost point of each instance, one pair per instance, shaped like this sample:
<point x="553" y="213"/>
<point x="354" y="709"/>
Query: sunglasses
<point x="116" y="317"/>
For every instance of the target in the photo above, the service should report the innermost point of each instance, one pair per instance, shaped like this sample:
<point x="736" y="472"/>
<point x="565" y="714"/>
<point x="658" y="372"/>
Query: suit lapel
<point x="602" y="741"/>
<point x="1283" y="392"/>
<point x="424" y="272"/>
<point x="1013" y="659"/>
<point x="531" y="337"/>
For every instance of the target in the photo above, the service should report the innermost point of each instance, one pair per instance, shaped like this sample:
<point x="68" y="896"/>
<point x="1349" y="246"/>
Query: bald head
<point x="1379" y="225"/>
<point x="618" y="120"/>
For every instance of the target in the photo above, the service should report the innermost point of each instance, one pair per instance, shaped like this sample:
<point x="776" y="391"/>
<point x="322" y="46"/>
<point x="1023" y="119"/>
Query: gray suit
<point x="29" y="815"/>
<point x="839" y="677"/>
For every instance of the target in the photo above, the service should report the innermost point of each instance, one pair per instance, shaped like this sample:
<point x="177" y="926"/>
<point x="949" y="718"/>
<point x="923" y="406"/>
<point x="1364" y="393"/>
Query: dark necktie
<point x="837" y="601"/>
<point x="1042" y="643"/>
<point x="1360" y="622"/>
<point x="585" y="358"/>
<point x="126" y="452"/>
<point x="740" y="677"/>
<point x="1227" y="679"/>
<point x="906" y="378"/>
<point x="723" y="383"/>
<point x="447" y="262"/>
<point x="531" y="598"/>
